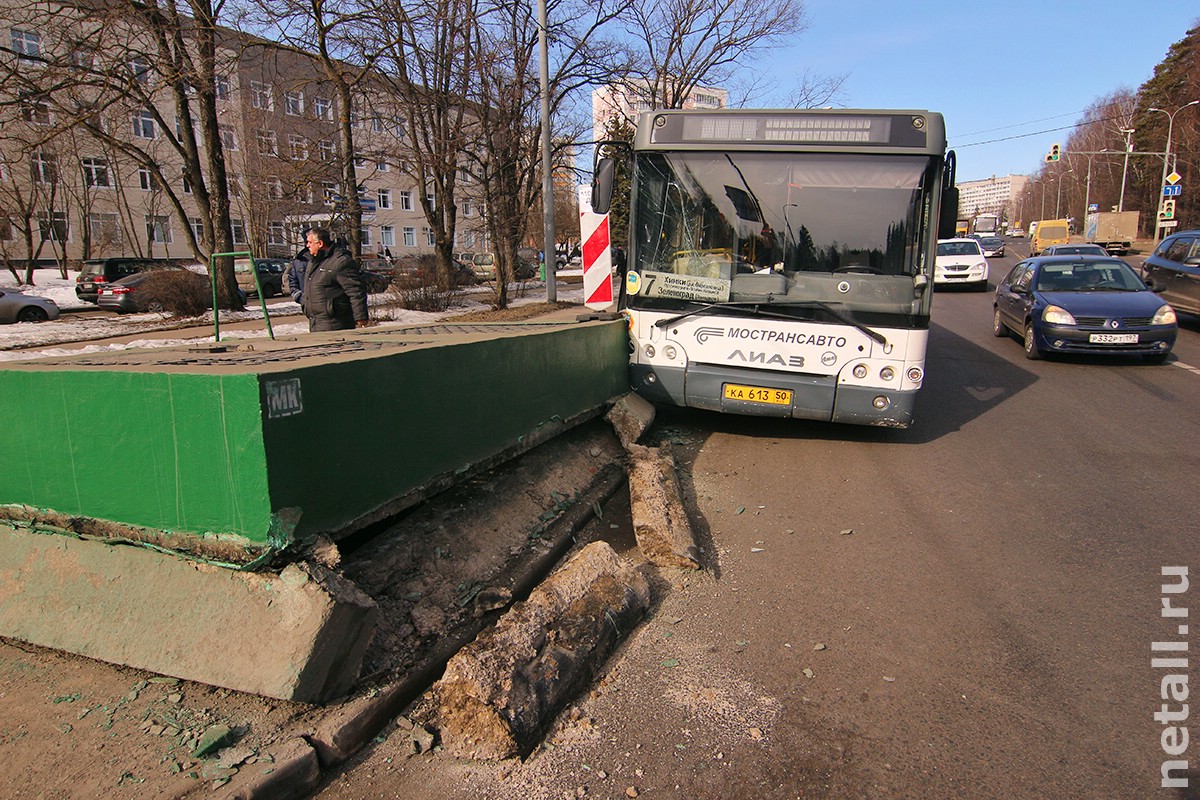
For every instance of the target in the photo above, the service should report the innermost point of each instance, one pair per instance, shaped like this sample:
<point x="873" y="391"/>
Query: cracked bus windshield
<point x="783" y="228"/>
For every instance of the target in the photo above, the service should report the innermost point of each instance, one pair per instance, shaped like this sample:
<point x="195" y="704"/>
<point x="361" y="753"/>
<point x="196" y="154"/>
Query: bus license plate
<point x="1113" y="338"/>
<point x="758" y="394"/>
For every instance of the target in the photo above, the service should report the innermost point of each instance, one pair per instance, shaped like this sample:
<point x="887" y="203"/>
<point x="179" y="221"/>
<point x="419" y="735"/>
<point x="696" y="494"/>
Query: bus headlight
<point x="670" y="352"/>
<point x="860" y="371"/>
<point x="887" y="373"/>
<point x="915" y="374"/>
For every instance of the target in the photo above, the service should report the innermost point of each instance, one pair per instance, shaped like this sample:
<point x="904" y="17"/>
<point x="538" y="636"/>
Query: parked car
<point x="484" y="265"/>
<point x="960" y="261"/>
<point x="1082" y="304"/>
<point x="97" y="272"/>
<point x="156" y="290"/>
<point x="270" y="275"/>
<point x="1075" y="250"/>
<point x="377" y="280"/>
<point x="992" y="246"/>
<point x="1173" y="270"/>
<point x="20" y="307"/>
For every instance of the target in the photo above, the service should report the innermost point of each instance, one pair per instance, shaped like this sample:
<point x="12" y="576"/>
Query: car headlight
<point x="1164" y="316"/>
<point x="1056" y="315"/>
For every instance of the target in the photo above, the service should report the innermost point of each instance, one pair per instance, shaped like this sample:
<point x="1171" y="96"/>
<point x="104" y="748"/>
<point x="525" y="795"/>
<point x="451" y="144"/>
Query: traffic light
<point x="1055" y="152"/>
<point x="1168" y="210"/>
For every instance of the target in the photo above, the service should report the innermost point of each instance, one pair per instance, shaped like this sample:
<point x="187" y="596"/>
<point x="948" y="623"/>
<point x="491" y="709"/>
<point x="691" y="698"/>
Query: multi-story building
<point x="116" y="186"/>
<point x="628" y="100"/>
<point x="992" y="196"/>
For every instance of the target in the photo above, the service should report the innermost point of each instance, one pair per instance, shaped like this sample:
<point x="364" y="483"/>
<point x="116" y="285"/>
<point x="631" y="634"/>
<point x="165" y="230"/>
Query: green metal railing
<point x="212" y="278"/>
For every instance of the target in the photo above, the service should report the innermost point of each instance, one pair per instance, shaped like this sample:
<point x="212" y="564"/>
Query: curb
<point x="299" y="762"/>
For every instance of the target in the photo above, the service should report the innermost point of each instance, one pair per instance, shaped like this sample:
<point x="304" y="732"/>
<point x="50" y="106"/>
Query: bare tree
<point x="686" y="44"/>
<point x="154" y="64"/>
<point x="341" y="37"/>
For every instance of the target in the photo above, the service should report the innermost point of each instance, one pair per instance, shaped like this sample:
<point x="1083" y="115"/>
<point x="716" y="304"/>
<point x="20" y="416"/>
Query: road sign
<point x="1174" y="178"/>
<point x="1168" y="223"/>
<point x="1172" y="191"/>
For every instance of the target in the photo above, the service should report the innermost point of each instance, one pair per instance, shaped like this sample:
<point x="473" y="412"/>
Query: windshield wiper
<point x="756" y="306"/>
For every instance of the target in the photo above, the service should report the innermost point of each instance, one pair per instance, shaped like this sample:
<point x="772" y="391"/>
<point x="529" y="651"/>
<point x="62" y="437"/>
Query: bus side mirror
<point x="602" y="185"/>
<point x="949" y="213"/>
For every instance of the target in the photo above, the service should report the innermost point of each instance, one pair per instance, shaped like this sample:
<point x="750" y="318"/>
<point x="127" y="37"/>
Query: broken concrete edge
<point x="660" y="522"/>
<point x="630" y="416"/>
<point x="354" y="724"/>
<point x="500" y="693"/>
<point x="221" y="550"/>
<point x="293" y="773"/>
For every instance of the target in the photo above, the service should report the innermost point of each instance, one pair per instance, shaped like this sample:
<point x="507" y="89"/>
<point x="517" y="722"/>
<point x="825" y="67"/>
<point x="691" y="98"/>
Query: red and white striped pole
<point x="597" y="253"/>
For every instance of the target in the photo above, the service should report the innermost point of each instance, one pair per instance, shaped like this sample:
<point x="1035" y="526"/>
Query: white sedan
<point x="961" y="261"/>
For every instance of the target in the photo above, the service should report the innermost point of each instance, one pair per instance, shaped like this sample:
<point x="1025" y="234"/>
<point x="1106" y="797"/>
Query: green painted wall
<point x="180" y="452"/>
<point x="201" y="450"/>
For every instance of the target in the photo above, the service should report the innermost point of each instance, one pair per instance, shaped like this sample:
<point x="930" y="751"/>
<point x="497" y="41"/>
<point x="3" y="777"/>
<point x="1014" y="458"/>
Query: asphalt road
<point x="989" y="621"/>
<point x="963" y="609"/>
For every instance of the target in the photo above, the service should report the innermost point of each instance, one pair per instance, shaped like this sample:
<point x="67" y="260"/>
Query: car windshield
<point x="1109" y="276"/>
<point x="957" y="249"/>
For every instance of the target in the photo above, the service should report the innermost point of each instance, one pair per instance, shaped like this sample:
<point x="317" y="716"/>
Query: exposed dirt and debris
<point x="74" y="727"/>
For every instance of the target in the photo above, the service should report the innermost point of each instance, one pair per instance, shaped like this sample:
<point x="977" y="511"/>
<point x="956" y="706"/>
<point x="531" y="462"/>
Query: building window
<point x="328" y="192"/>
<point x="410" y="237"/>
<point x="406" y="200"/>
<point x="145" y="179"/>
<point x="383" y="166"/>
<point x="464" y="175"/>
<point x="235" y="186"/>
<point x="35" y="109"/>
<point x="268" y="144"/>
<point x="293" y="103"/>
<point x="387" y="235"/>
<point x="365" y="236"/>
<point x="223" y="88"/>
<point x="323" y="108"/>
<point x="54" y="227"/>
<point x="83" y="56"/>
<point x="297" y="147"/>
<point x="105" y="228"/>
<point x="274" y="188"/>
<point x="429" y="237"/>
<point x="187" y="184"/>
<point x="467" y="207"/>
<point x="431" y="199"/>
<point x="326" y="150"/>
<point x="158" y="229"/>
<point x="304" y="193"/>
<point x="26" y="44"/>
<point x="44" y="166"/>
<point x="275" y="233"/>
<point x="261" y="96"/>
<point x="143" y="124"/>
<point x="360" y="162"/>
<point x="228" y="137"/>
<point x="384" y="198"/>
<point x="95" y="173"/>
<point x="238" y="229"/>
<point x="197" y="226"/>
<point x="141" y="70"/>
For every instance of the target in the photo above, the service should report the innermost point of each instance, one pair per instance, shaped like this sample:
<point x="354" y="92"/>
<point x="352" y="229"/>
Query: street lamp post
<point x="1166" y="159"/>
<point x="1125" y="171"/>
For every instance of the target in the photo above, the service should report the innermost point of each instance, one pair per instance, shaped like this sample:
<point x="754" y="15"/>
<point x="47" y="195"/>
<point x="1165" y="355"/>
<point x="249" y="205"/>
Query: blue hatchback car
<point x="1083" y="304"/>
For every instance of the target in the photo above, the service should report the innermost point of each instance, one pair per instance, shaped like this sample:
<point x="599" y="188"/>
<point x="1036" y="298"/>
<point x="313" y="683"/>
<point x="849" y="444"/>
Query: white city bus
<point x="781" y="262"/>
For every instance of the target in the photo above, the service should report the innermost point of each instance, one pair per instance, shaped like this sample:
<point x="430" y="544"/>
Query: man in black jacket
<point x="334" y="296"/>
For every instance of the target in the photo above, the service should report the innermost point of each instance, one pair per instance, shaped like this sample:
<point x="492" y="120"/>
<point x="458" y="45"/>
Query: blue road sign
<point x="1172" y="191"/>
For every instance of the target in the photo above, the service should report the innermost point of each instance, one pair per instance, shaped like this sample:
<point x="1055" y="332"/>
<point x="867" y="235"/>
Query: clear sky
<point x="1010" y="76"/>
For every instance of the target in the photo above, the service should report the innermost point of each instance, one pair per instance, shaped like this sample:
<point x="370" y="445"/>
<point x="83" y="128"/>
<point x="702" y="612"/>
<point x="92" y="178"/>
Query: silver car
<point x="18" y="307"/>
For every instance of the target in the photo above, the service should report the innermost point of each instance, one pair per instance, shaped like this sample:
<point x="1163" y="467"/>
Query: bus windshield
<point x="740" y="227"/>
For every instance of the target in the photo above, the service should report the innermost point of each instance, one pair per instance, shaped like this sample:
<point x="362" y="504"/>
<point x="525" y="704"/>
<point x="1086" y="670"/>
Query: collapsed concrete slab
<point x="631" y="416"/>
<point x="660" y="523"/>
<point x="299" y="634"/>
<point x="499" y="693"/>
